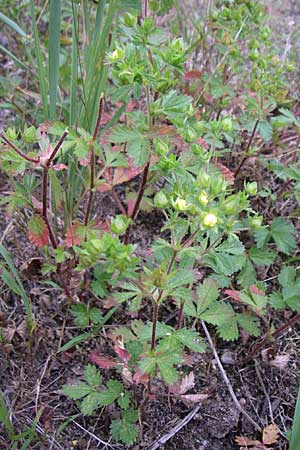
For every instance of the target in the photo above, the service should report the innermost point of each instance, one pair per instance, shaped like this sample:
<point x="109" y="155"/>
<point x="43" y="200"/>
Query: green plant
<point x="25" y="438"/>
<point x="295" y="435"/>
<point x="93" y="395"/>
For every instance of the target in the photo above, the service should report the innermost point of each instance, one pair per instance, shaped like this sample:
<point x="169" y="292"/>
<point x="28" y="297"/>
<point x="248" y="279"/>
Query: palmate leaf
<point x="224" y="263"/>
<point x="76" y="392"/>
<point x="38" y="232"/>
<point x="92" y="375"/>
<point x="283" y="233"/>
<point x="207" y="293"/>
<point x="224" y="317"/>
<point x="89" y="404"/>
<point x="262" y="257"/>
<point x="125" y="430"/>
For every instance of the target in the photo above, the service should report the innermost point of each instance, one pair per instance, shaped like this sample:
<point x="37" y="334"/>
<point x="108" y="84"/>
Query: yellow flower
<point x="210" y="220"/>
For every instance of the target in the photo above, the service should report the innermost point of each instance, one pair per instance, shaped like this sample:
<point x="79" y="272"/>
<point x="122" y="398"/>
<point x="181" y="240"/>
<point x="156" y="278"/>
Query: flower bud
<point x="180" y="204"/>
<point x="203" y="179"/>
<point x="161" y="200"/>
<point x="209" y="220"/>
<point x="11" y="134"/>
<point x="218" y="185"/>
<point x="231" y="204"/>
<point x="255" y="222"/>
<point x="254" y="54"/>
<point x="116" y="55"/>
<point x="227" y="124"/>
<point x="251" y="188"/>
<point x="202" y="197"/>
<point x="130" y="20"/>
<point x="120" y="224"/>
<point x="29" y="135"/>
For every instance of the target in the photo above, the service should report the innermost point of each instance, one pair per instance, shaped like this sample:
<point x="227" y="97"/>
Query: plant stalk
<point x="247" y="148"/>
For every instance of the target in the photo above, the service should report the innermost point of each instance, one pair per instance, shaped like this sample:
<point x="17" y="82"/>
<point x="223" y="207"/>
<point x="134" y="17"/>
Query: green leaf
<point x="223" y="316"/>
<point x="276" y="300"/>
<point x="207" y="293"/>
<point x="254" y="299"/>
<point x="81" y="315"/>
<point x="92" y="376"/>
<point x="249" y="324"/>
<point x="224" y="263"/>
<point x="124" y="400"/>
<point x="190" y="339"/>
<point x="287" y="276"/>
<point x="172" y="105"/>
<point x="232" y="245"/>
<point x="283" y="233"/>
<point x="262" y="237"/>
<point x="291" y="296"/>
<point x="161" y="331"/>
<point x="262" y="257"/>
<point x="114" y="389"/>
<point x="124" y="431"/>
<point x="90" y="403"/>
<point x="95" y="315"/>
<point x="247" y="275"/>
<point x="77" y="391"/>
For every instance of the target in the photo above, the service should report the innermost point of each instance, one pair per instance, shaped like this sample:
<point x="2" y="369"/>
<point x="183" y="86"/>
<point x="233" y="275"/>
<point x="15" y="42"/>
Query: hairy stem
<point x="92" y="161"/>
<point x="247" y="148"/>
<point x="18" y="151"/>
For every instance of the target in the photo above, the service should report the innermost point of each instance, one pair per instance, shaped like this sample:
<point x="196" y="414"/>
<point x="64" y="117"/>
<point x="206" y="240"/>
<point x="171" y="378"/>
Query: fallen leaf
<point x="192" y="75"/>
<point x="280" y="361"/>
<point x="235" y="295"/>
<point x="193" y="398"/>
<point x="270" y="434"/>
<point x="183" y="385"/>
<point x="242" y="440"/>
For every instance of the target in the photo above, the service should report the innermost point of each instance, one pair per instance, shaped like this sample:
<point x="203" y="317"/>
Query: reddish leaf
<point x="124" y="174"/>
<point x="235" y="295"/>
<point x="270" y="434"/>
<point x="105" y="362"/>
<point x="254" y="290"/>
<point x="74" y="235"/>
<point x="121" y="351"/>
<point x="203" y="143"/>
<point x="130" y="206"/>
<point x="228" y="175"/>
<point x="192" y="75"/>
<point x="59" y="167"/>
<point x="38" y="232"/>
<point x="140" y="377"/>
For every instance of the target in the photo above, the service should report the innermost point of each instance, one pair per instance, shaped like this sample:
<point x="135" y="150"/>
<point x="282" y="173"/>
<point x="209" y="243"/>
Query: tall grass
<point x="295" y="436"/>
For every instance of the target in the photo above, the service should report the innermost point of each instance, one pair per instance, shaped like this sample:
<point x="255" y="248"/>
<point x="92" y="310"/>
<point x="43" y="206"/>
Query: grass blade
<point x="12" y="24"/>
<point x="40" y="62"/>
<point x="74" y="67"/>
<point x="13" y="281"/>
<point x="4" y="416"/>
<point x="295" y="436"/>
<point x="54" y="47"/>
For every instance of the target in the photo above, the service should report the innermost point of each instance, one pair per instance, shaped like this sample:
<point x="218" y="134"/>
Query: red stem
<point x="247" y="148"/>
<point x="18" y="151"/>
<point x="92" y="161"/>
<point x="138" y="200"/>
<point x="56" y="148"/>
<point x="267" y="336"/>
<point x="118" y="201"/>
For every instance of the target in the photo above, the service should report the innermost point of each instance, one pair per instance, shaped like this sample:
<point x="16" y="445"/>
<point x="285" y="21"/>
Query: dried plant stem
<point x="247" y="148"/>
<point x="226" y="379"/>
<point x="92" y="161"/>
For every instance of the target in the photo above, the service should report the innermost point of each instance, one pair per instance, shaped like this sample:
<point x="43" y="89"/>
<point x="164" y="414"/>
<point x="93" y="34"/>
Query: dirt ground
<point x="31" y="374"/>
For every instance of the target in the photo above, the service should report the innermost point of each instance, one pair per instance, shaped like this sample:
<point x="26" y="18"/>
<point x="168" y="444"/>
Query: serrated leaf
<point x="223" y="316"/>
<point x="262" y="237"/>
<point x="95" y="315"/>
<point x="114" y="389"/>
<point x="207" y="293"/>
<point x="276" y="300"/>
<point x="247" y="275"/>
<point x="287" y="276"/>
<point x="232" y="245"/>
<point x="92" y="375"/>
<point x="292" y="297"/>
<point x="103" y="361"/>
<point x="124" y="431"/>
<point x="89" y="404"/>
<point x="124" y="400"/>
<point x="283" y="233"/>
<point x="81" y="315"/>
<point x="77" y="391"/>
<point x="38" y="232"/>
<point x="190" y="339"/>
<point x="249" y="324"/>
<point x="161" y="331"/>
<point x="262" y="257"/>
<point x="224" y="263"/>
